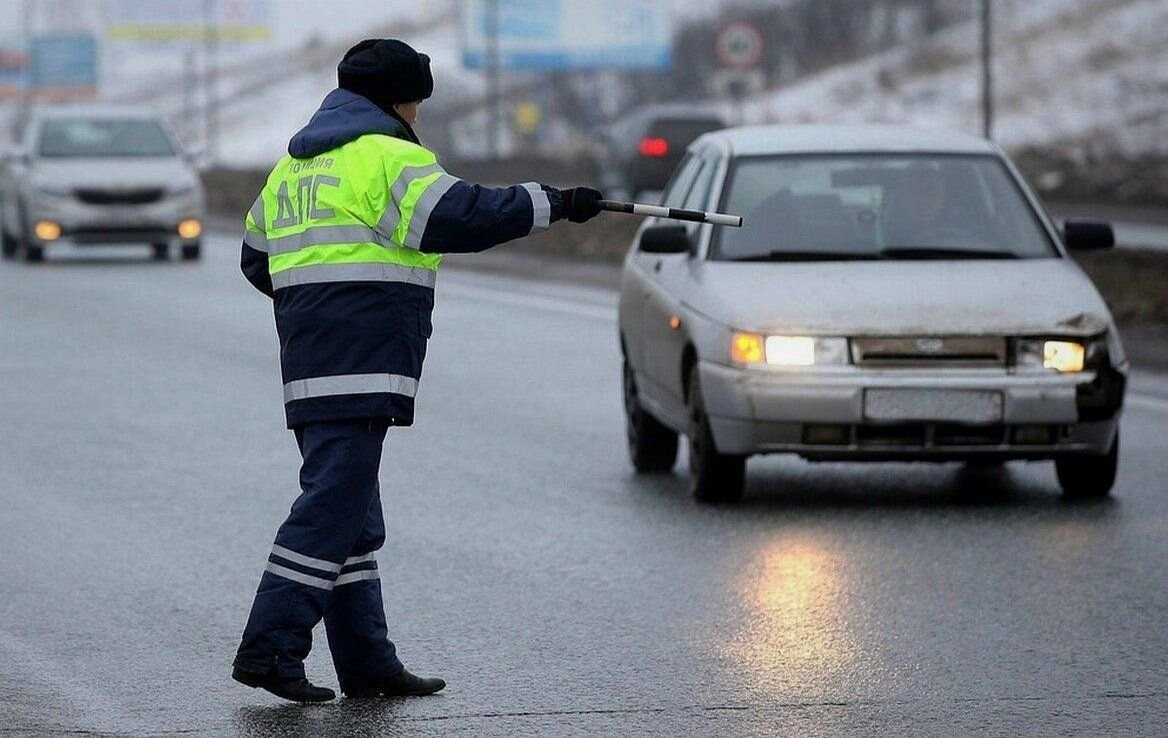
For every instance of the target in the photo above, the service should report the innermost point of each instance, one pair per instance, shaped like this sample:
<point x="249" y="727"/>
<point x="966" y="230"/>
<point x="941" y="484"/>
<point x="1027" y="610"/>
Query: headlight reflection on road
<point x="795" y="623"/>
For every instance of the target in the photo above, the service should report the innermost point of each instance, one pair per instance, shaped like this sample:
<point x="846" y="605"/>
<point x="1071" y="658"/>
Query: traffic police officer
<point x="346" y="238"/>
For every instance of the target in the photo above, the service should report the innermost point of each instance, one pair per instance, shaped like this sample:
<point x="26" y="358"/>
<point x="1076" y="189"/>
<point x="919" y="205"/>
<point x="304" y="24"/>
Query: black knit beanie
<point x="386" y="71"/>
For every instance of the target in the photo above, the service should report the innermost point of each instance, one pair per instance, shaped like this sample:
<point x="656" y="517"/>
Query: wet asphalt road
<point x="144" y="468"/>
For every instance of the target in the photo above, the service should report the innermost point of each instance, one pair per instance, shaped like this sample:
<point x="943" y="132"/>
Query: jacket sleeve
<point x="253" y="259"/>
<point x="468" y="217"/>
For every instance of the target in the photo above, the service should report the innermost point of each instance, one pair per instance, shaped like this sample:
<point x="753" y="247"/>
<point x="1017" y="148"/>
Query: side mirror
<point x="1088" y="235"/>
<point x="666" y="239"/>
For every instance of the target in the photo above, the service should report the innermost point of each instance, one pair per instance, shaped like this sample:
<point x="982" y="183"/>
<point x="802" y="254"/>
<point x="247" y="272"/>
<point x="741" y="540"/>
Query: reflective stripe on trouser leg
<point x="355" y="618"/>
<point x="327" y="523"/>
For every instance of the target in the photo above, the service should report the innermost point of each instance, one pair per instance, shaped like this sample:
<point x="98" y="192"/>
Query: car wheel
<point x="191" y="251"/>
<point x="161" y="251"/>
<point x="714" y="477"/>
<point x="652" y="446"/>
<point x="1088" y="476"/>
<point x="33" y="253"/>
<point x="7" y="245"/>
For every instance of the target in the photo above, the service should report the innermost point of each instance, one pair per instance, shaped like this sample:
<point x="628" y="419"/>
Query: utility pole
<point x="210" y="79"/>
<point x="493" y="86"/>
<point x="987" y="70"/>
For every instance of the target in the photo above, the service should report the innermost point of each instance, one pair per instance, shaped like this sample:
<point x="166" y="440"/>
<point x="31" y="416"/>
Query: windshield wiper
<point x="933" y="252"/>
<point x="781" y="255"/>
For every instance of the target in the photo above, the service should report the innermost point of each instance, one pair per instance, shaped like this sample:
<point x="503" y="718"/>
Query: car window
<point x="679" y="185"/>
<point x="89" y="137"/>
<point x="699" y="193"/>
<point x="877" y="206"/>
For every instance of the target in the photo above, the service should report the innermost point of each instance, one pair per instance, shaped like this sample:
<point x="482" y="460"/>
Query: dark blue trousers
<point x="322" y="564"/>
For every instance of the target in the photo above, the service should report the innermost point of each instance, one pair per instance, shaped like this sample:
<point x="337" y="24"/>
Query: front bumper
<point x="822" y="415"/>
<point x="83" y="223"/>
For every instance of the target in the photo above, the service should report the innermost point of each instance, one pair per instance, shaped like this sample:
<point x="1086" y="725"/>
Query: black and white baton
<point x="697" y="216"/>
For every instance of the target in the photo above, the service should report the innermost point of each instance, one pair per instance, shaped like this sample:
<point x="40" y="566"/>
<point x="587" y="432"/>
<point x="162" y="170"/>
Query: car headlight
<point x="753" y="349"/>
<point x="1054" y="355"/>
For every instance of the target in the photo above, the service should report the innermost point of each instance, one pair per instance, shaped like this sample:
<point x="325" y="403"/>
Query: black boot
<point x="296" y="689"/>
<point x="401" y="684"/>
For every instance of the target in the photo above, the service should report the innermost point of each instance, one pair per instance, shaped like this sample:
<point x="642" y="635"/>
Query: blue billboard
<point x="62" y="64"/>
<point x="550" y="35"/>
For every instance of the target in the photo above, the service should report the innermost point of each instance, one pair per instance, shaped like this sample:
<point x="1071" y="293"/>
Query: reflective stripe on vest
<point x="355" y="213"/>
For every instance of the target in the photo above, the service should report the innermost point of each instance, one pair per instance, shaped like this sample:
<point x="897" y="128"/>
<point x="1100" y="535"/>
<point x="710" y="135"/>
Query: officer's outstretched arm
<point x="468" y="217"/>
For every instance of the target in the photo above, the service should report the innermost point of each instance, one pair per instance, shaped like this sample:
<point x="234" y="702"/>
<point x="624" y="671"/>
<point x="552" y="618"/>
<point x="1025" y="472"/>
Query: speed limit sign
<point x="739" y="45"/>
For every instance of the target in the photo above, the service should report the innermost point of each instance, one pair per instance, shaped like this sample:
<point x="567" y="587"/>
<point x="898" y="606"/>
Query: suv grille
<point x="141" y="196"/>
<point x="929" y="351"/>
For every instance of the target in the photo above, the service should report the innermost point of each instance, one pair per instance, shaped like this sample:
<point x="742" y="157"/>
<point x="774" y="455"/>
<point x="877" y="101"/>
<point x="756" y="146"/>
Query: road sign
<point x="63" y="66"/>
<point x="546" y="35"/>
<point x="739" y="45"/>
<point x="184" y="20"/>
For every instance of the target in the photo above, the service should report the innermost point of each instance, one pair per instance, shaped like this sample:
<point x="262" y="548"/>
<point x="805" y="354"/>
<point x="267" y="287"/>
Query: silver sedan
<point x="895" y="294"/>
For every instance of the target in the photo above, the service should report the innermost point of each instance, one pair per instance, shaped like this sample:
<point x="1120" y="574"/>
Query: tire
<point x="1088" y="477"/>
<point x="161" y="251"/>
<point x="33" y="253"/>
<point x="191" y="251"/>
<point x="7" y="245"/>
<point x="652" y="446"/>
<point x="714" y="477"/>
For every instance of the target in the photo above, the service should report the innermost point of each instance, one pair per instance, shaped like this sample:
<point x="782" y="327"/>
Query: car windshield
<point x="877" y="206"/>
<point x="90" y="137"/>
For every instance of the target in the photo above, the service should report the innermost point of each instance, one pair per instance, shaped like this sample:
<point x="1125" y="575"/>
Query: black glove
<point x="581" y="204"/>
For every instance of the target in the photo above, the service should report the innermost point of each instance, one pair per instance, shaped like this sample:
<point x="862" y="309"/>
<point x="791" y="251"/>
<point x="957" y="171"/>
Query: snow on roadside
<point x="1065" y="71"/>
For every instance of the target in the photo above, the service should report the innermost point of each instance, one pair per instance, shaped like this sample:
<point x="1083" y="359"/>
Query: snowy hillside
<point x="1077" y="74"/>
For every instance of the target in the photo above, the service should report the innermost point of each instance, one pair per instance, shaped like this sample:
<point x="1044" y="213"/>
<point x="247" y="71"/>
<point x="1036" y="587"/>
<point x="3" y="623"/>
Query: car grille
<point x="140" y="196"/>
<point x="929" y="351"/>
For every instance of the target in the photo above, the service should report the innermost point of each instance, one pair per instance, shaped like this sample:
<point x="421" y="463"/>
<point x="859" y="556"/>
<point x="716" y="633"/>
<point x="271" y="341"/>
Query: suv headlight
<point x="1058" y="354"/>
<point x="754" y="349"/>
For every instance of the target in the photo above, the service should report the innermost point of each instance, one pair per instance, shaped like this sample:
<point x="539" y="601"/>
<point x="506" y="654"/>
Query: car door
<point x="637" y="284"/>
<point x="667" y="278"/>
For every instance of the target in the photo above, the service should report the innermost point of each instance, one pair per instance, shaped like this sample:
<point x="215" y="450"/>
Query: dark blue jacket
<point x="369" y="330"/>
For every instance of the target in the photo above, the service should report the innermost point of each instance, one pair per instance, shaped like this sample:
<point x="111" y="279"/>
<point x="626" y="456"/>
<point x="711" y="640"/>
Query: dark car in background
<point x="98" y="174"/>
<point x="642" y="149"/>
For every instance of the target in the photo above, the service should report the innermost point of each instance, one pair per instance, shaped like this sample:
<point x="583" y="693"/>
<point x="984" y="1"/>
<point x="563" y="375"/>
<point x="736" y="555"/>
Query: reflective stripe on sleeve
<point x="424" y="207"/>
<point x="358" y="272"/>
<point x="297" y="558"/>
<point x="356" y="576"/>
<point x="397" y="192"/>
<point x="296" y="576"/>
<point x="350" y="384"/>
<point x="541" y="207"/>
<point x="257" y="212"/>
<point x="257" y="241"/>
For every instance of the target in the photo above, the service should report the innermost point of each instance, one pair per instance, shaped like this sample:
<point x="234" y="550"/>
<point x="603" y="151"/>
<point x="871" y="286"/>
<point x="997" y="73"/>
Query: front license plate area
<point x="940" y="405"/>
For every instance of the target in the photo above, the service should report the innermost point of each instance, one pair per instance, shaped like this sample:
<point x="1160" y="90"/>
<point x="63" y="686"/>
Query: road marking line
<point x="1150" y="402"/>
<point x="571" y="307"/>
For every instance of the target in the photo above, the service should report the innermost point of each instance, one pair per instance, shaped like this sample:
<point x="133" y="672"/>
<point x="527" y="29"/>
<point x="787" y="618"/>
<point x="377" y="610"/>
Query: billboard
<point x="184" y="20"/>
<point x="547" y="35"/>
<point x="13" y="68"/>
<point x="62" y="66"/>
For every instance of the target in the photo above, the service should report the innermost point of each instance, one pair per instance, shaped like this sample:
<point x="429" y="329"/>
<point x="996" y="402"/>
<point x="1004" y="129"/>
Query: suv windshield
<point x="877" y="206"/>
<point x="68" y="137"/>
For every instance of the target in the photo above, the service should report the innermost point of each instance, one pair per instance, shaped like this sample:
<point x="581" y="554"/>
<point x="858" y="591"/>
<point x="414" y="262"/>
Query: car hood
<point x="992" y="297"/>
<point x="119" y="173"/>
